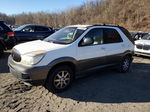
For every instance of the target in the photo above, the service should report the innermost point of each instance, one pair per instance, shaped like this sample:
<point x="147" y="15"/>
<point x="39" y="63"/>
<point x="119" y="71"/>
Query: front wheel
<point x="125" y="64"/>
<point x="59" y="79"/>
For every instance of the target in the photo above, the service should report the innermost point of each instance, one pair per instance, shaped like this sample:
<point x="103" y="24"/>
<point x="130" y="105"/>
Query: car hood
<point x="37" y="45"/>
<point x="147" y="42"/>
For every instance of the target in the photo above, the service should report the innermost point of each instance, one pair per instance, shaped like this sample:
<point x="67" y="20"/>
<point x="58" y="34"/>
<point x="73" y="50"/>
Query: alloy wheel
<point x="126" y="64"/>
<point x="62" y="79"/>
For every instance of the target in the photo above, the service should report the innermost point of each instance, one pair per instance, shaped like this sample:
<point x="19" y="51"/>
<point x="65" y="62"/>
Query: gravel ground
<point x="99" y="91"/>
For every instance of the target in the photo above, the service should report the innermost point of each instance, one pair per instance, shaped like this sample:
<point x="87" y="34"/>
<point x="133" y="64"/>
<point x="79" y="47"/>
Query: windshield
<point x="66" y="35"/>
<point x="20" y="28"/>
<point x="146" y="37"/>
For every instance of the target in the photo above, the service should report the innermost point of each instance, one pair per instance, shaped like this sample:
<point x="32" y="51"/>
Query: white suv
<point x="60" y="57"/>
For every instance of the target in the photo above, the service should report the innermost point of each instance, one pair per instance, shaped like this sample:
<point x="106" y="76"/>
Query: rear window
<point x="5" y="27"/>
<point x="125" y="31"/>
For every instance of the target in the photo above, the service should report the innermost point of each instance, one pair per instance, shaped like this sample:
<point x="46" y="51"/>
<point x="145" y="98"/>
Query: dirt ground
<point x="99" y="91"/>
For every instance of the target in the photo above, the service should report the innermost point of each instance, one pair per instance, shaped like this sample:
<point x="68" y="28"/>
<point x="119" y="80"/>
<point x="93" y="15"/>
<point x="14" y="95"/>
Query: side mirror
<point x="87" y="41"/>
<point x="23" y="30"/>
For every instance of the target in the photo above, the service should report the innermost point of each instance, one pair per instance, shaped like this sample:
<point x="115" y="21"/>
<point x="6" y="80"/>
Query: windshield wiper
<point x="51" y="41"/>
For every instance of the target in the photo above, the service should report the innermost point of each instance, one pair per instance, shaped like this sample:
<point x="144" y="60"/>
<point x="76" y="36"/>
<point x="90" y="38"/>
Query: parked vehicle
<point x="7" y="40"/>
<point x="137" y="35"/>
<point x="13" y="27"/>
<point x="59" y="58"/>
<point x="31" y="32"/>
<point x="142" y="47"/>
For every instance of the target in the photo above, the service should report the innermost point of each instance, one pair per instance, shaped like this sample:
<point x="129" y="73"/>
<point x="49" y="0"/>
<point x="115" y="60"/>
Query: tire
<point x="125" y="64"/>
<point x="15" y="41"/>
<point x="59" y="79"/>
<point x="1" y="50"/>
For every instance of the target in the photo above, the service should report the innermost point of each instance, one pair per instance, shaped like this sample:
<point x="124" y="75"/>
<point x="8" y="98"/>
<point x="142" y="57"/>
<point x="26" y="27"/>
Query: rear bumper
<point x="9" y="43"/>
<point x="28" y="74"/>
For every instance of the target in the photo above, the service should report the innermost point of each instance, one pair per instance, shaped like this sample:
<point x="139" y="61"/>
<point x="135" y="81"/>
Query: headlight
<point x="32" y="57"/>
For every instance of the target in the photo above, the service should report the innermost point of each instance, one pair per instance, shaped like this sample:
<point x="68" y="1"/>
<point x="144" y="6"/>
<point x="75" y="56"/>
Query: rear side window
<point x="5" y="27"/>
<point x="128" y="35"/>
<point x="39" y="29"/>
<point x="111" y="36"/>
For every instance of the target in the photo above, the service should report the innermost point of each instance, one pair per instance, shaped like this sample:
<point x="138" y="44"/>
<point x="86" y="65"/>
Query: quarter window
<point x="125" y="31"/>
<point x="111" y="36"/>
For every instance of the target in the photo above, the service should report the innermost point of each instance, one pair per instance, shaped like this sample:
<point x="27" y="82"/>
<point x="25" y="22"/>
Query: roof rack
<point x="106" y="25"/>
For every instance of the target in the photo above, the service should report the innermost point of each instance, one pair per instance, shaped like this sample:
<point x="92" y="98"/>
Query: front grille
<point x="139" y="46"/>
<point x="146" y="47"/>
<point x="15" y="55"/>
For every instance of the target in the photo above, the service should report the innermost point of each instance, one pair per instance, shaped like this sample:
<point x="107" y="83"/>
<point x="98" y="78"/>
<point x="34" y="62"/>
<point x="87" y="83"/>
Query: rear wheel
<point x="60" y="78"/>
<point x="1" y="50"/>
<point x="125" y="64"/>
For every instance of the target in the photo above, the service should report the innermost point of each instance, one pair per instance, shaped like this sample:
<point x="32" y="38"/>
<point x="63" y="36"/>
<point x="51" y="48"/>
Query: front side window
<point x="96" y="35"/>
<point x="25" y="28"/>
<point x="111" y="36"/>
<point x="65" y="35"/>
<point x="28" y="29"/>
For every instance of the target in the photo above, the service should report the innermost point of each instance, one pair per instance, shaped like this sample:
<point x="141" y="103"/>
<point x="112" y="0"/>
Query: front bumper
<point x="142" y="53"/>
<point x="28" y="74"/>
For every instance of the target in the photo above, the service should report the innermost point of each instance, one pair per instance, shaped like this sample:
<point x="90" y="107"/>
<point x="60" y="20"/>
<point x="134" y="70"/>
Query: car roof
<point x="83" y="26"/>
<point x="35" y="25"/>
<point x="88" y="26"/>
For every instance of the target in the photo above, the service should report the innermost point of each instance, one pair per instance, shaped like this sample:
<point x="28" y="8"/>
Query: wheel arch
<point x="68" y="61"/>
<point x="129" y="54"/>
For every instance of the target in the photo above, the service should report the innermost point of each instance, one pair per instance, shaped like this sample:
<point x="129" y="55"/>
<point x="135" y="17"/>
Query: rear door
<point x="92" y="55"/>
<point x="114" y="45"/>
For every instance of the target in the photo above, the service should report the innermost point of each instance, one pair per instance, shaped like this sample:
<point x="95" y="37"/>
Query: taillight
<point x="10" y="34"/>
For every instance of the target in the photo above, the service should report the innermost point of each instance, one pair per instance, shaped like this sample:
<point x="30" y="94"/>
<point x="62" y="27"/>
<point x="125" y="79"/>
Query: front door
<point x="91" y="55"/>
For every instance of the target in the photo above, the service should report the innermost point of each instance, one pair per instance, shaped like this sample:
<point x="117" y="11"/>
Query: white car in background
<point x="142" y="47"/>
